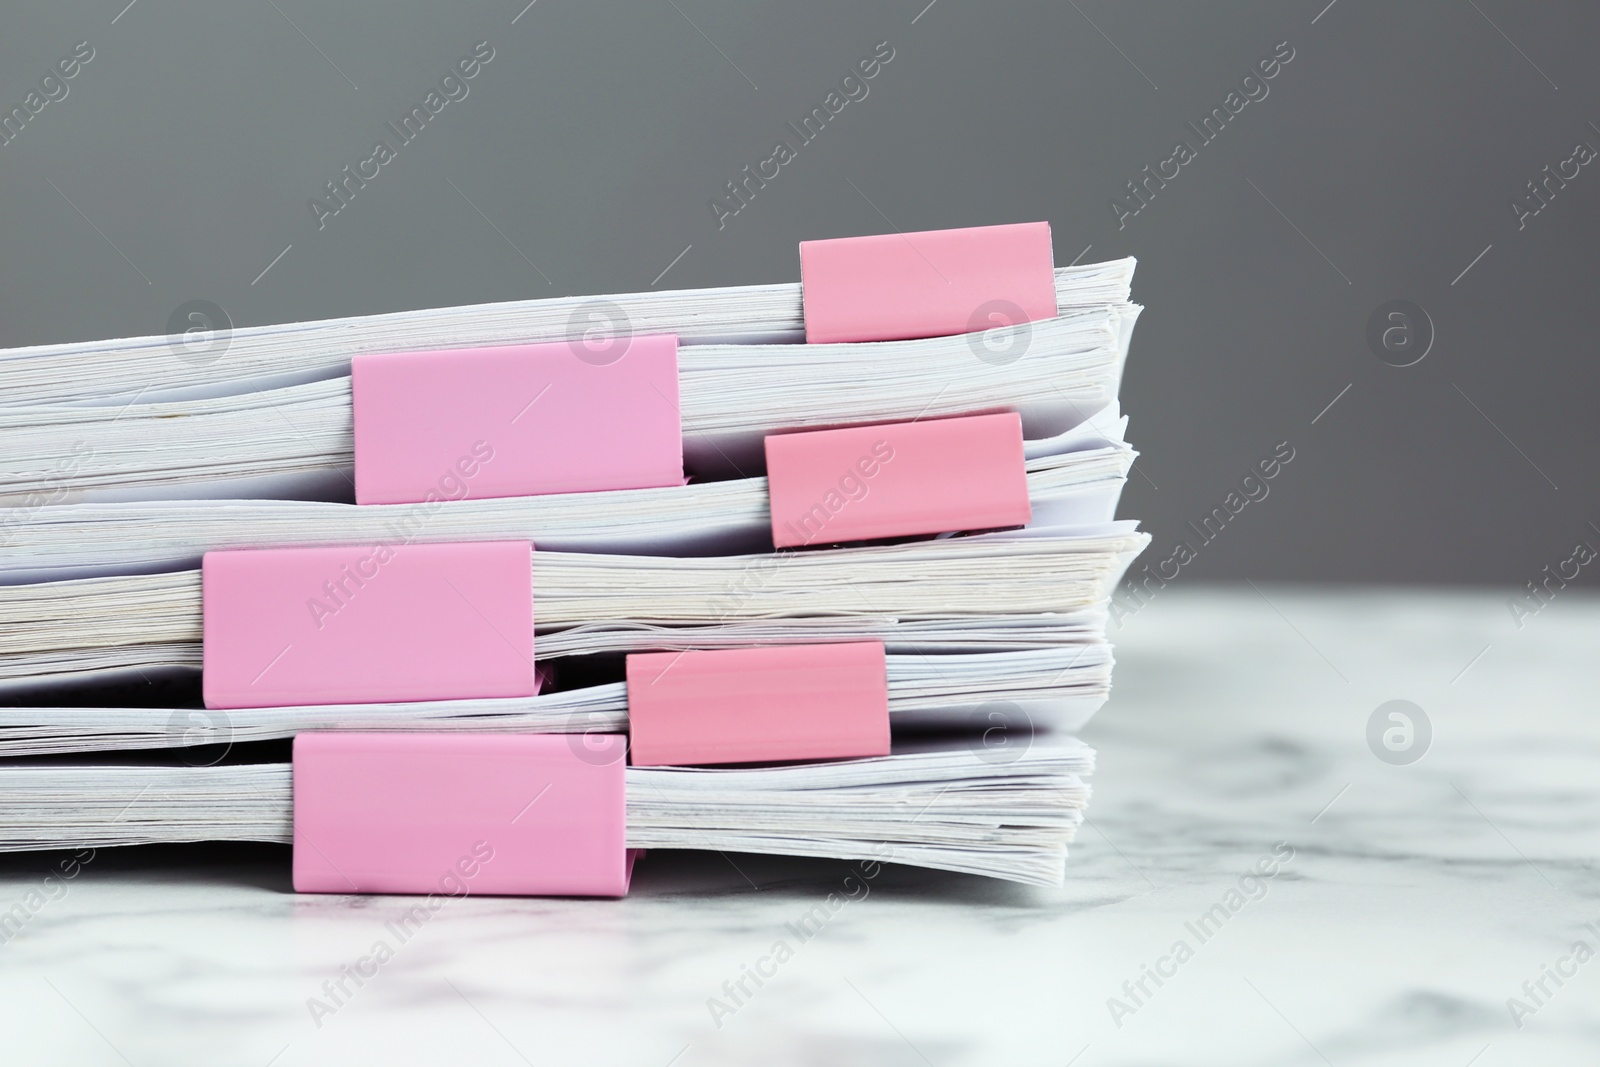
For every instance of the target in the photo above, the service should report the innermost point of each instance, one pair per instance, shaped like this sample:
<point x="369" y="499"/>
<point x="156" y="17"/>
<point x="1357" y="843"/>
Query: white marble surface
<point x="1413" y="908"/>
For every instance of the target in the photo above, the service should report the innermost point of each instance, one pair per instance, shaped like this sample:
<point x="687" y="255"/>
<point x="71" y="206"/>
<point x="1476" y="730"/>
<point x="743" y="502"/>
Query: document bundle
<point x="817" y="570"/>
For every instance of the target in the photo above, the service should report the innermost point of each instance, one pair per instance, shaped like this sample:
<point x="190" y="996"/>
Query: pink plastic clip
<point x="890" y="287"/>
<point x="898" y="479"/>
<point x="747" y="705"/>
<point x="455" y="814"/>
<point x="519" y="420"/>
<point x="370" y="623"/>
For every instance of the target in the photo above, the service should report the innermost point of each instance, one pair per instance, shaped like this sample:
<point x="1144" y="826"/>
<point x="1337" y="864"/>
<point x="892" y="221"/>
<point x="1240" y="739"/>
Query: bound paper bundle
<point x="816" y="570"/>
<point x="82" y="628"/>
<point x="1058" y="688"/>
<point x="300" y="441"/>
<point x="1073" y="479"/>
<point x="248" y="359"/>
<point x="934" y="805"/>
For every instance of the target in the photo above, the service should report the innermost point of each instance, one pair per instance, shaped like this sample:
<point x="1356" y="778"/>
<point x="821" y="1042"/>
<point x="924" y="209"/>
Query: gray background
<point x="1379" y="166"/>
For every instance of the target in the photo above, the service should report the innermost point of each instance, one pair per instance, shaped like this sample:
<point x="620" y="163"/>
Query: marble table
<point x="1422" y="904"/>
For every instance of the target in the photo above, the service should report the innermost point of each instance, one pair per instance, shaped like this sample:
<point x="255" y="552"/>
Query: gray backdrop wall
<point x="1388" y="158"/>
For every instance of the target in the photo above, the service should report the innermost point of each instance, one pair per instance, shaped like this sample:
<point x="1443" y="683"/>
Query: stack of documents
<point x="910" y="498"/>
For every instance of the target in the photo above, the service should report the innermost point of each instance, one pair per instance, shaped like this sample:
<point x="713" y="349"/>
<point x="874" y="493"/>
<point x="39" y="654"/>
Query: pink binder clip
<point x="457" y="814"/>
<point x="369" y="623"/>
<point x="517" y="420"/>
<point x="890" y="287"/>
<point x="898" y="479"/>
<point x="748" y="705"/>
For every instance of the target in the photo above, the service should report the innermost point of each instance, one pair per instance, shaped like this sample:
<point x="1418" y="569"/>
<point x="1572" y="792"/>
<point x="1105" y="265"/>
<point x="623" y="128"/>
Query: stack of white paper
<point x="123" y="462"/>
<point x="120" y="371"/>
<point x="1074" y="479"/>
<point x="940" y="806"/>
